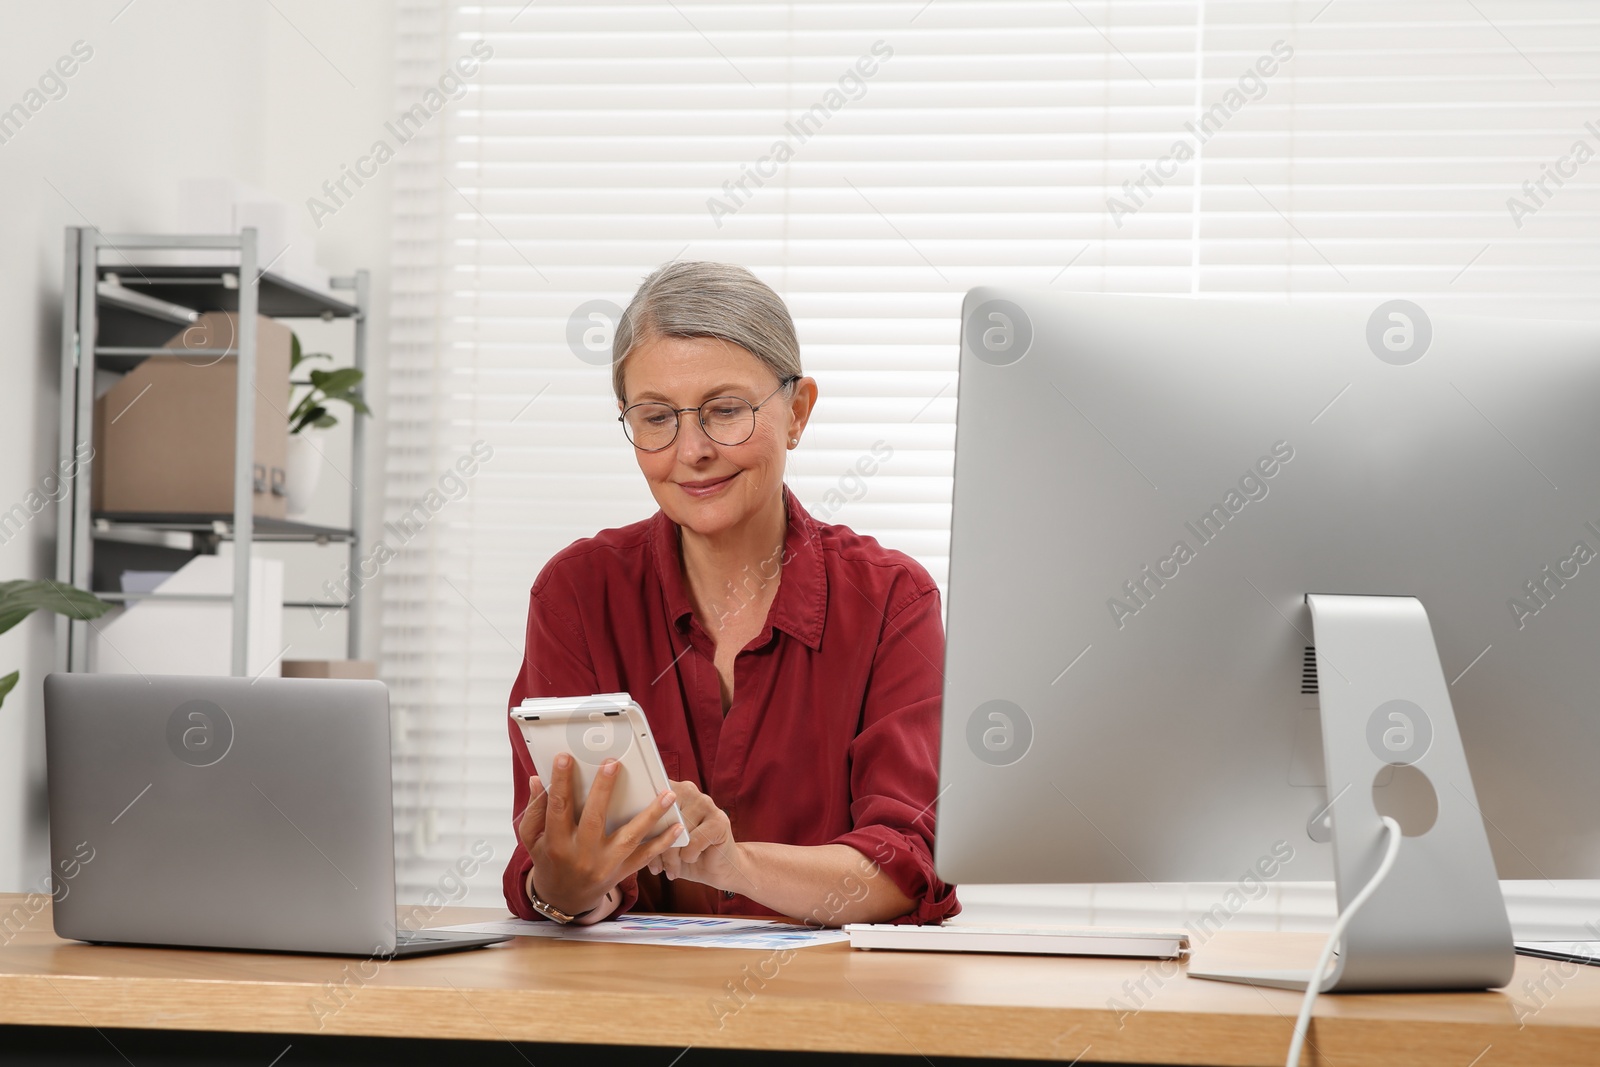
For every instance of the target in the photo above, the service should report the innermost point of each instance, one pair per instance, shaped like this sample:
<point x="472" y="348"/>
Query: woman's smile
<point x="708" y="486"/>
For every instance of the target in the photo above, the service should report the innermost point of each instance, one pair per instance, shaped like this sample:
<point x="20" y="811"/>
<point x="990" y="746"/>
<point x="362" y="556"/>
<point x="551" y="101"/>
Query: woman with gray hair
<point x="790" y="669"/>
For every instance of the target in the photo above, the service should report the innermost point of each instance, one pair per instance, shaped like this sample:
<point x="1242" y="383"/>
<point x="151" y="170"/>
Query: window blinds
<point x="872" y="161"/>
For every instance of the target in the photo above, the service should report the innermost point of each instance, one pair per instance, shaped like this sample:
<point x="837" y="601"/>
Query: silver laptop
<point x="226" y="813"/>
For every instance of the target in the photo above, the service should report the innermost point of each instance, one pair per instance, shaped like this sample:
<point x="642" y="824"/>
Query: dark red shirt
<point x="833" y="733"/>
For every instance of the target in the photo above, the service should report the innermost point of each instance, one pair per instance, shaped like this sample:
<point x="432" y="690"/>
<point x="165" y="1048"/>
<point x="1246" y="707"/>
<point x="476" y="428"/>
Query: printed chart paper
<point x="688" y="930"/>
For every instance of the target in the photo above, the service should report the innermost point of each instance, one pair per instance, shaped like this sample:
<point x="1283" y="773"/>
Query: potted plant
<point x="21" y="598"/>
<point x="311" y="415"/>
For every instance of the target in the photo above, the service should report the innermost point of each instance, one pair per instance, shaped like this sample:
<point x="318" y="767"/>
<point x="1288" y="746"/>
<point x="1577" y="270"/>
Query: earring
<point x="793" y="441"/>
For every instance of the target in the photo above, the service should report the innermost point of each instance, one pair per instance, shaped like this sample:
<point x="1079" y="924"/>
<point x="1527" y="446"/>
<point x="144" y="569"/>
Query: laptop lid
<point x="221" y="812"/>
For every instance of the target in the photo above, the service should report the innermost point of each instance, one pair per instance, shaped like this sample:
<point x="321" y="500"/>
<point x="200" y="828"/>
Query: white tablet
<point x="594" y="729"/>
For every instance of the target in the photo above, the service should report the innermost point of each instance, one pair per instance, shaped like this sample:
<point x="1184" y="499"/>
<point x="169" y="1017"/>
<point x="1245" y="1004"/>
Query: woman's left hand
<point x="712" y="856"/>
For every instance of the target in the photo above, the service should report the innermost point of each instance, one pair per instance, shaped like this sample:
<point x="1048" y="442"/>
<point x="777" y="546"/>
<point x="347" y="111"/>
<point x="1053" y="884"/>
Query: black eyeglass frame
<point x="699" y="411"/>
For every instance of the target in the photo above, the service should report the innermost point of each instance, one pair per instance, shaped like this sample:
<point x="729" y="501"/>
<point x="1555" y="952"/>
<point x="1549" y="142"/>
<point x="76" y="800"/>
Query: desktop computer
<point x="1232" y="580"/>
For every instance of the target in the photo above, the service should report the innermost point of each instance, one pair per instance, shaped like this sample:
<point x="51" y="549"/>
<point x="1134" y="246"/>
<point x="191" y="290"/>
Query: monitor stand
<point x="1438" y="922"/>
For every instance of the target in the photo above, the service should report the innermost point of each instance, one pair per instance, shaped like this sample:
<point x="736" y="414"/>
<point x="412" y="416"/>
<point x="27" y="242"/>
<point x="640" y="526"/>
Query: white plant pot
<point x="304" y="470"/>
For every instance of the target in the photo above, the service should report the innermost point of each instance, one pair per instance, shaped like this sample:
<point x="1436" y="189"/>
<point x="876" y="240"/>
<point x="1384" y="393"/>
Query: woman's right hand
<point x="575" y="861"/>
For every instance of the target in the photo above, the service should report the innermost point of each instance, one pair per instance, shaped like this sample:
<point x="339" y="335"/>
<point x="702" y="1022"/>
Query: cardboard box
<point x="329" y="668"/>
<point x="163" y="435"/>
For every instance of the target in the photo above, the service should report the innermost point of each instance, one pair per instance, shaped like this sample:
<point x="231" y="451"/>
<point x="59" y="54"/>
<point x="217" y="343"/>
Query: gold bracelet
<point x="555" y="914"/>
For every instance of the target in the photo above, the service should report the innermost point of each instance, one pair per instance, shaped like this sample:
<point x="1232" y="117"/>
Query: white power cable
<point x="1314" y="986"/>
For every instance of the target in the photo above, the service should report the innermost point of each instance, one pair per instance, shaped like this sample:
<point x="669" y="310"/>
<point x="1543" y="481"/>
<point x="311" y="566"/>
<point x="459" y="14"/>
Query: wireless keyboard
<point x="1037" y="940"/>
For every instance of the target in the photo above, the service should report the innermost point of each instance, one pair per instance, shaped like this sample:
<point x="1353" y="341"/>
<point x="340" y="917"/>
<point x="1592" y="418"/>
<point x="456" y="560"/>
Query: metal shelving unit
<point x="114" y="316"/>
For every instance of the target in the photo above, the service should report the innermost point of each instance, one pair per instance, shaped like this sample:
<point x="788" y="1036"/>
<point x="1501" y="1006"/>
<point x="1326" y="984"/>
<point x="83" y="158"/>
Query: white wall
<point x="277" y="96"/>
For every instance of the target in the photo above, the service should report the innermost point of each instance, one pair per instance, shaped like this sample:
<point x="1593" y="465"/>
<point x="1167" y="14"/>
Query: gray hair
<point x="700" y="299"/>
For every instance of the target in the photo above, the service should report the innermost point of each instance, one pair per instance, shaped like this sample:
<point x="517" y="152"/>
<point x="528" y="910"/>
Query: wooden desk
<point x="825" y="999"/>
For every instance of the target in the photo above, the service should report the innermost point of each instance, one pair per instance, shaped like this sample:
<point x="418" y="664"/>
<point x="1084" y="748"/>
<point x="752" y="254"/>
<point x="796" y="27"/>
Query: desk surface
<point x="827" y="998"/>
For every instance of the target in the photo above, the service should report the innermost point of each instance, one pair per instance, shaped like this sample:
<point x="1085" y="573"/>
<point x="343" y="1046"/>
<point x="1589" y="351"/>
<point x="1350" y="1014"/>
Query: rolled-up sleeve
<point x="556" y="663"/>
<point x="894" y="759"/>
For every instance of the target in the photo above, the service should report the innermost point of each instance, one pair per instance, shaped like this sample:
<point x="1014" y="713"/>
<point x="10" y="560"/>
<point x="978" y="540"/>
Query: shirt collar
<point x="802" y="599"/>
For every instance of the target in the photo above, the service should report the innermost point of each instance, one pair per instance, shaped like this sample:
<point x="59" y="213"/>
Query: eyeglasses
<point x="727" y="420"/>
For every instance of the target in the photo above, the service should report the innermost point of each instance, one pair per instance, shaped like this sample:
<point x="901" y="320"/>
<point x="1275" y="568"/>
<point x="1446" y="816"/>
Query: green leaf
<point x="310" y="417"/>
<point x="19" y="599"/>
<point x="8" y="683"/>
<point x="346" y="396"/>
<point x="325" y="386"/>
<point x="337" y="381"/>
